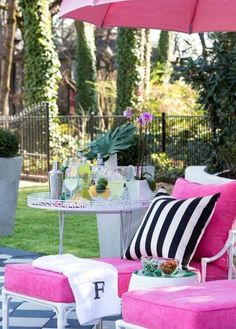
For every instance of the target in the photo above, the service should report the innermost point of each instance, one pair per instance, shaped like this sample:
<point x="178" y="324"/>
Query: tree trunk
<point x="7" y="57"/>
<point x="203" y="43"/>
<point x="146" y="63"/>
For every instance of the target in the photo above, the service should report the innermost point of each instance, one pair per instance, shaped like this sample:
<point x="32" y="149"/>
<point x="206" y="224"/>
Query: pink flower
<point x="145" y="118"/>
<point x="128" y="113"/>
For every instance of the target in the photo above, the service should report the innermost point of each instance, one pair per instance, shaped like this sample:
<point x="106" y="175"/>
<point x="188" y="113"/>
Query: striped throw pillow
<point x="172" y="227"/>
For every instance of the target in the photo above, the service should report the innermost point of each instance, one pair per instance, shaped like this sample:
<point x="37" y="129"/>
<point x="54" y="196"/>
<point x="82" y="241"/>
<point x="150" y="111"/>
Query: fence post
<point x="163" y="132"/>
<point x="91" y="126"/>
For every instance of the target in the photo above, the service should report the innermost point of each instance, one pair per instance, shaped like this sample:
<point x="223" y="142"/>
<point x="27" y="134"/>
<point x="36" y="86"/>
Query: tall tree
<point x="162" y="51"/>
<point x="41" y="64"/>
<point x="86" y="96"/>
<point x="213" y="76"/>
<point x="160" y="58"/>
<point x="133" y="58"/>
<point x="7" y="56"/>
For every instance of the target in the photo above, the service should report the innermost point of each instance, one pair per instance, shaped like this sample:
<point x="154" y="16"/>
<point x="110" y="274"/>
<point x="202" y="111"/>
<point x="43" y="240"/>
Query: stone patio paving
<point x="28" y="315"/>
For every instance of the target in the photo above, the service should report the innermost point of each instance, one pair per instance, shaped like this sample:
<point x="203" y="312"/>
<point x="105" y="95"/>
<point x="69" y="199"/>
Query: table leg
<point x="61" y="217"/>
<point x="125" y="235"/>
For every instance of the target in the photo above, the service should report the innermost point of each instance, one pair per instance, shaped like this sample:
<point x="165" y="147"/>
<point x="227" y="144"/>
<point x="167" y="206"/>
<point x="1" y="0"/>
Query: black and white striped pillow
<point x="172" y="227"/>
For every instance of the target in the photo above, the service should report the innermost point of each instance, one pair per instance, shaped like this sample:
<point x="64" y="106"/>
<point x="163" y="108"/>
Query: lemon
<point x="106" y="193"/>
<point x="85" y="194"/>
<point x="92" y="191"/>
<point x="76" y="197"/>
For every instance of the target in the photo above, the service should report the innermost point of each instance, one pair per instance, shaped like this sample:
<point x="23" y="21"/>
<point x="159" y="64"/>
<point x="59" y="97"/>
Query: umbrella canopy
<point x="175" y="15"/>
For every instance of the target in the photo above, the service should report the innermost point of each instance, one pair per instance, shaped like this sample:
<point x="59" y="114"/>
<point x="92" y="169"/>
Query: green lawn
<point x="37" y="230"/>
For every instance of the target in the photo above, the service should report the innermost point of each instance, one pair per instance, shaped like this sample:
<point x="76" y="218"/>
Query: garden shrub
<point x="213" y="76"/>
<point x="8" y="144"/>
<point x="165" y="169"/>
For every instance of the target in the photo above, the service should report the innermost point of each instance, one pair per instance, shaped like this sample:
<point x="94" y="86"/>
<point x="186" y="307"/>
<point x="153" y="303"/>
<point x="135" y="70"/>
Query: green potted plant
<point x="112" y="142"/>
<point x="10" y="169"/>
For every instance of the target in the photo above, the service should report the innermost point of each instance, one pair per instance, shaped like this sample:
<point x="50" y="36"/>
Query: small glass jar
<point x="149" y="264"/>
<point x="168" y="266"/>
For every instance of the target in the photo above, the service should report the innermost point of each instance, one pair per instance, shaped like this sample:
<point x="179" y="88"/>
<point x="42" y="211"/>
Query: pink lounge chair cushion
<point x="125" y="269"/>
<point x="224" y="215"/>
<point x="209" y="305"/>
<point x="30" y="281"/>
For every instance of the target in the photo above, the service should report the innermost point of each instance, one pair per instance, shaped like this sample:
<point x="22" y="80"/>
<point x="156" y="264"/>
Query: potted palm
<point x="112" y="142"/>
<point x="10" y="169"/>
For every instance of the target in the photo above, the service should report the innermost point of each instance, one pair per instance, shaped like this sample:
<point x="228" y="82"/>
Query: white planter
<point x="10" y="169"/>
<point x="198" y="174"/>
<point x="139" y="190"/>
<point x="112" y="161"/>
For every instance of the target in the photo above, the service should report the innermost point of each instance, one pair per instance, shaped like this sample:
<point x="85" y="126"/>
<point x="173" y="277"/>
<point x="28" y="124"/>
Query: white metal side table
<point x="63" y="207"/>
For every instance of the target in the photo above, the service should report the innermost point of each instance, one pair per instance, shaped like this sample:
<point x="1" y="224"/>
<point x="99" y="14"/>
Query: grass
<point x="37" y="230"/>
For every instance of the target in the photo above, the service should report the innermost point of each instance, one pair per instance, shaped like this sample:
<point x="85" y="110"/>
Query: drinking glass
<point x="117" y="189"/>
<point x="71" y="179"/>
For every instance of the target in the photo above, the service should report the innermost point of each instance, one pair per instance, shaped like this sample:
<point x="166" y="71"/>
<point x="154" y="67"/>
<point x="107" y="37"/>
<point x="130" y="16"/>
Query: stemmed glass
<point x="71" y="179"/>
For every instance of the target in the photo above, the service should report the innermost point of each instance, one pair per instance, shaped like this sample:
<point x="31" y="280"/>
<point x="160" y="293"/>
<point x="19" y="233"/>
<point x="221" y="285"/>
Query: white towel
<point x="93" y="283"/>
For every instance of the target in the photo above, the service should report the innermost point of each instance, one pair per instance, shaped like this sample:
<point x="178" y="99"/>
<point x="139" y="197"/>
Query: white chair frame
<point x="121" y="324"/>
<point x="229" y="249"/>
<point x="61" y="309"/>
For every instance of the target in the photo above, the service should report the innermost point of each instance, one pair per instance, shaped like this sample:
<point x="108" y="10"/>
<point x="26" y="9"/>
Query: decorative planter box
<point x="10" y="169"/>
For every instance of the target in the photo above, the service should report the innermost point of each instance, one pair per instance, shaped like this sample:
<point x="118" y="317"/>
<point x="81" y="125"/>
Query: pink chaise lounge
<point x="50" y="286"/>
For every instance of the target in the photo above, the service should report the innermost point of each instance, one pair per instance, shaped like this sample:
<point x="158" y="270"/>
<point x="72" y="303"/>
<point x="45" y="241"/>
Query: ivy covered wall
<point x="41" y="64"/>
<point x="133" y="67"/>
<point x="86" y="96"/>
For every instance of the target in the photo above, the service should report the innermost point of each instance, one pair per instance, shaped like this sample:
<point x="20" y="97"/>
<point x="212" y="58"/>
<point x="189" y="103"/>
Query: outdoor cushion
<point x="207" y="305"/>
<point x="55" y="287"/>
<point x="172" y="227"/>
<point x="125" y="269"/>
<point x="48" y="285"/>
<point x="30" y="281"/>
<point x="224" y="215"/>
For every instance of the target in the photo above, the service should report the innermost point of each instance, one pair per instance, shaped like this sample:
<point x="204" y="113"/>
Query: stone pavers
<point x="29" y="315"/>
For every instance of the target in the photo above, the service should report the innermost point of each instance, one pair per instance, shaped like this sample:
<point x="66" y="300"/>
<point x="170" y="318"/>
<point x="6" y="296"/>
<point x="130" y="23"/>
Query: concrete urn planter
<point x="10" y="169"/>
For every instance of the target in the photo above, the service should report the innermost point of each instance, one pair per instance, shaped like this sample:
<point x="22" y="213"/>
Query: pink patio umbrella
<point x="176" y="15"/>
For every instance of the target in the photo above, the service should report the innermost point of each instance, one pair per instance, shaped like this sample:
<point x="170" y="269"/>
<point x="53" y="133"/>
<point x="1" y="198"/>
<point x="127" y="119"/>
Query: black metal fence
<point x="32" y="127"/>
<point x="185" y="139"/>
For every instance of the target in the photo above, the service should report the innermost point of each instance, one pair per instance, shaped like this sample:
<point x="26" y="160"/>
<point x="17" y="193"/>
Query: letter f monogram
<point x="99" y="286"/>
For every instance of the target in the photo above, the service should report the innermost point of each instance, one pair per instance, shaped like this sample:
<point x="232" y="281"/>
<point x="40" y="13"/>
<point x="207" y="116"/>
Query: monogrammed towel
<point x="93" y="283"/>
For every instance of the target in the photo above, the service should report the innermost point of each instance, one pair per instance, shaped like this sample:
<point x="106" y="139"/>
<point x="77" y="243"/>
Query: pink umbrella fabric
<point x="176" y="15"/>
